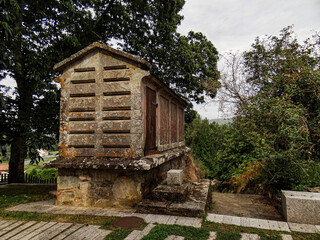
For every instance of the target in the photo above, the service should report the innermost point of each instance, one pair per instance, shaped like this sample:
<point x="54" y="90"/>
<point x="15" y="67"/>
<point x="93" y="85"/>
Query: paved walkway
<point x="19" y="230"/>
<point x="53" y="230"/>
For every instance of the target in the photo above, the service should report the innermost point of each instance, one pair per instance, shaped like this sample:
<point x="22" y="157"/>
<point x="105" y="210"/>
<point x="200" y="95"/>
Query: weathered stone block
<point x="67" y="182"/>
<point x="301" y="207"/>
<point x="174" y="193"/>
<point x="175" y="177"/>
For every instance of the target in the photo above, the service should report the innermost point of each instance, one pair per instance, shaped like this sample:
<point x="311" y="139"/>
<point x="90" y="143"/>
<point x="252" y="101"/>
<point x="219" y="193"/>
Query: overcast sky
<point x="234" y="24"/>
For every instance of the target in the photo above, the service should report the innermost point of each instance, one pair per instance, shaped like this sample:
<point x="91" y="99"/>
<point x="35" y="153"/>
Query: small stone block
<point x="249" y="236"/>
<point x="212" y="235"/>
<point x="215" y="218"/>
<point x="286" y="237"/>
<point x="307" y="228"/>
<point x="175" y="177"/>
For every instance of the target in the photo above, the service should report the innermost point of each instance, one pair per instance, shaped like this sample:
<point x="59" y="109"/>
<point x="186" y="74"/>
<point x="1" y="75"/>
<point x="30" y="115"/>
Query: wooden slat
<point x="81" y="139"/>
<point x="113" y="115"/>
<point x="174" y="130"/>
<point x="116" y="101"/>
<point x="86" y="88"/>
<point x="164" y="120"/>
<point x="110" y="87"/>
<point x="116" y="139"/>
<point x="81" y="104"/>
<point x="115" y="125"/>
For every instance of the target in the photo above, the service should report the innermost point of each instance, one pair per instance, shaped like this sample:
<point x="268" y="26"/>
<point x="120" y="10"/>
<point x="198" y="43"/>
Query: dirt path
<point x="244" y="205"/>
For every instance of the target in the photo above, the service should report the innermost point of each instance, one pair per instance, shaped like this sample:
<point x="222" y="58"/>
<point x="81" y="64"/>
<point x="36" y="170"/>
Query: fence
<point x="29" y="179"/>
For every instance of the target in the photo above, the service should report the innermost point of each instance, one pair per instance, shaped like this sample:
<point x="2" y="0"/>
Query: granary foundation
<point x="104" y="188"/>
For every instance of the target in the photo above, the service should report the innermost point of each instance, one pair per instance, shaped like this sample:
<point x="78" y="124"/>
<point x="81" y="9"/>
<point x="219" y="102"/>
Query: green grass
<point x="161" y="231"/>
<point x="13" y="195"/>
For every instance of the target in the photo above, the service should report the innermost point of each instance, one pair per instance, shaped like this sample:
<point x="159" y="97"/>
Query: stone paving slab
<point x="68" y="232"/>
<point x="162" y="219"/>
<point x="249" y="222"/>
<point x="29" y="230"/>
<point x="286" y="237"/>
<point x="249" y="236"/>
<point x="10" y="227"/>
<point x="6" y="223"/>
<point x="137" y="235"/>
<point x="82" y="232"/>
<point x="17" y="230"/>
<point x="173" y="237"/>
<point x="54" y="231"/>
<point x="215" y="218"/>
<point x="212" y="235"/>
<point x="38" y="231"/>
<point x="306" y="228"/>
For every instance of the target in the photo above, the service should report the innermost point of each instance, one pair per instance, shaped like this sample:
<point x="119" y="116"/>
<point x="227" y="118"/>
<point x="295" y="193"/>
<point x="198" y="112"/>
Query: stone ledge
<point x="144" y="163"/>
<point x="195" y="205"/>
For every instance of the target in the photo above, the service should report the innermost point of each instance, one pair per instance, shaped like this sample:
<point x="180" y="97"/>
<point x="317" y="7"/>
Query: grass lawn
<point x="17" y="194"/>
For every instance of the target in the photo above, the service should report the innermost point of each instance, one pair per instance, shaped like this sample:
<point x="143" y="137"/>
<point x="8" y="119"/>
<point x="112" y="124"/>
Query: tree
<point x="286" y="106"/>
<point x="37" y="34"/>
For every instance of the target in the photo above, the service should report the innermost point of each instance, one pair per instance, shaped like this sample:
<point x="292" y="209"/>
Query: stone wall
<point x="105" y="188"/>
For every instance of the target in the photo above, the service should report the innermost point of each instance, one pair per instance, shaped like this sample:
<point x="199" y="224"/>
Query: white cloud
<point x="234" y="24"/>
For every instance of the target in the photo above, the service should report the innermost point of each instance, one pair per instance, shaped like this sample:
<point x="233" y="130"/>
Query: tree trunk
<point x="24" y="102"/>
<point x="16" y="164"/>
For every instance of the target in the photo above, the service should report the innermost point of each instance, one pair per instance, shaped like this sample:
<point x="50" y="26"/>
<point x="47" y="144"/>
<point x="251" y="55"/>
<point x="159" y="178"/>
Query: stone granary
<point x="121" y="129"/>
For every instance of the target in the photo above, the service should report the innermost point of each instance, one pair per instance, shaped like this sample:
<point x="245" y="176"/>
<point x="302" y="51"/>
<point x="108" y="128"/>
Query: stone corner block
<point x="175" y="177"/>
<point x="301" y="207"/>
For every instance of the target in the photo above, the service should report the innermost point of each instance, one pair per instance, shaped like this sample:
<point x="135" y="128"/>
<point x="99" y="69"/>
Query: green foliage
<point x="228" y="236"/>
<point x="42" y="173"/>
<point x="37" y="34"/>
<point x="274" y="141"/>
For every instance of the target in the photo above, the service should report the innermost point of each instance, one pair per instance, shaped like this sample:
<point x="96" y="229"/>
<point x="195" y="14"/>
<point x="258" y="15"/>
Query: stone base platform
<point x="195" y="205"/>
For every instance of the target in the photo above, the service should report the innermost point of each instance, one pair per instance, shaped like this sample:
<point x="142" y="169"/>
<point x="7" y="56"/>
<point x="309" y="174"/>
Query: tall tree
<point x="37" y="34"/>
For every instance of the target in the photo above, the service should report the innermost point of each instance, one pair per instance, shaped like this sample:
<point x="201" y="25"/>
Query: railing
<point x="29" y="179"/>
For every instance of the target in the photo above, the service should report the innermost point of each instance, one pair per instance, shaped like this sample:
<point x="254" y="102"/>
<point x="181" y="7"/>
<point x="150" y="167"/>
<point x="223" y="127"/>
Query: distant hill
<point x="221" y="121"/>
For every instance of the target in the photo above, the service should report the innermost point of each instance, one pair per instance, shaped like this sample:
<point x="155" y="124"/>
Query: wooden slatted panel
<point x="86" y="88"/>
<point x="116" y="139"/>
<point x="164" y="120"/>
<point x="78" y="140"/>
<point x="116" y="125"/>
<point x="82" y="104"/>
<point x="181" y="124"/>
<point x="174" y="130"/>
<point x="150" y="144"/>
<point x="116" y="101"/>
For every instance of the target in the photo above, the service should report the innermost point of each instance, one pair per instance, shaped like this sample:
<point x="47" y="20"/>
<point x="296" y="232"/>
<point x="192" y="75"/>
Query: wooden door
<point x="151" y="107"/>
